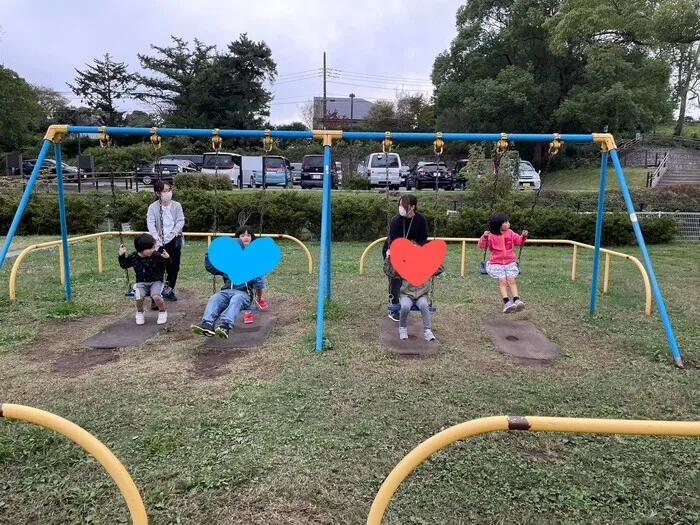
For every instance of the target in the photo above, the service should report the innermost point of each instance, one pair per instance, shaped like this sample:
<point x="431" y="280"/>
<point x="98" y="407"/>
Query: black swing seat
<point x="396" y="307"/>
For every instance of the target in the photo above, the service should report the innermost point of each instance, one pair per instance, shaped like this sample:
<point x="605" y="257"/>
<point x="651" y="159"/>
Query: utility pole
<point x="324" y="90"/>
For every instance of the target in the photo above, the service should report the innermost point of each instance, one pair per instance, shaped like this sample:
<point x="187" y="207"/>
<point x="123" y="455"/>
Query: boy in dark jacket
<point x="149" y="266"/>
<point x="225" y="304"/>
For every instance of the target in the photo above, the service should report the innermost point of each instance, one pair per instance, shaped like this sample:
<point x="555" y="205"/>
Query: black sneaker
<point x="170" y="296"/>
<point x="203" y="329"/>
<point x="222" y="331"/>
<point x="394" y="316"/>
<point x="154" y="306"/>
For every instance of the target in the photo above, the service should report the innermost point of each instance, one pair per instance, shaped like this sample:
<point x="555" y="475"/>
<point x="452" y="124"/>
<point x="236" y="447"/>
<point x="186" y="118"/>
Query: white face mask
<point x="402" y="211"/>
<point x="166" y="196"/>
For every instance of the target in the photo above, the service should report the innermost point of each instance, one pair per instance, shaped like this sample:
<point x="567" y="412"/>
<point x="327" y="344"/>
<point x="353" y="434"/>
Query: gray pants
<point x="423" y="306"/>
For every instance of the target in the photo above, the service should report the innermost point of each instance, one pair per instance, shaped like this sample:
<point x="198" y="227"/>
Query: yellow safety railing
<point x="98" y="237"/>
<point x="574" y="261"/>
<point x="532" y="423"/>
<point x="91" y="445"/>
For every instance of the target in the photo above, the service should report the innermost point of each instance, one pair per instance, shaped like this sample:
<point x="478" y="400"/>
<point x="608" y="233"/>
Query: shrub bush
<point x="356" y="183"/>
<point x="356" y="217"/>
<point x="202" y="182"/>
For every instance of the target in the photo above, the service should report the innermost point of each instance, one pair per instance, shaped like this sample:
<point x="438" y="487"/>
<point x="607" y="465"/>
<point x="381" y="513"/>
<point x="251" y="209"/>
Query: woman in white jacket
<point x="165" y="222"/>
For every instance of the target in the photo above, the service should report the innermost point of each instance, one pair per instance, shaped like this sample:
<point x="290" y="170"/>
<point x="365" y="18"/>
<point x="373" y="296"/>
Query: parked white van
<point x="382" y="169"/>
<point x="225" y="164"/>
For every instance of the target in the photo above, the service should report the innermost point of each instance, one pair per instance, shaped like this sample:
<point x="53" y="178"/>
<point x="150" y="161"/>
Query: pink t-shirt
<point x="501" y="246"/>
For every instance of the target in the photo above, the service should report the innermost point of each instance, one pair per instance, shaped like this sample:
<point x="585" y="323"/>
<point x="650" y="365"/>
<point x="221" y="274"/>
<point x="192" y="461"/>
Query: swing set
<point x="55" y="134"/>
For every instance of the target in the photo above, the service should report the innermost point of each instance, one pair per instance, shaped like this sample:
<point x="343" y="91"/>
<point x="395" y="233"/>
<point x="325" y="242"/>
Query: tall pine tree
<point x="102" y="84"/>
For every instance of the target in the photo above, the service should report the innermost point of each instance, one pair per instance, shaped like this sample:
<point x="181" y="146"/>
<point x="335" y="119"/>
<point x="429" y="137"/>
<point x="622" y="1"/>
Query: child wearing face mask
<point x="165" y="222"/>
<point x="410" y="225"/>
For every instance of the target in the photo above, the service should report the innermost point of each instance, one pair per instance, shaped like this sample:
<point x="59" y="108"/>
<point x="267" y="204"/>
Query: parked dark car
<point x="165" y="168"/>
<point x="48" y="169"/>
<point x="312" y="172"/>
<point x="425" y="174"/>
<point x="460" y="179"/>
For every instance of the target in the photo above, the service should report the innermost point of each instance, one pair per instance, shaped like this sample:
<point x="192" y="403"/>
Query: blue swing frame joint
<point x="55" y="133"/>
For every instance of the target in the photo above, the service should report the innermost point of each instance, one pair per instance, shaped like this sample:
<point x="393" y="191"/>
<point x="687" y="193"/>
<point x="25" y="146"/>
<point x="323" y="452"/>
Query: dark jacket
<point x="407" y="289"/>
<point x="228" y="285"/>
<point x="402" y="227"/>
<point x="147" y="269"/>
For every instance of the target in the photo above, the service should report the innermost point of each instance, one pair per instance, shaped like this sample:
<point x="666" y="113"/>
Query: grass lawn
<point x="281" y="435"/>
<point x="589" y="178"/>
<point x="690" y="129"/>
<point x="20" y="243"/>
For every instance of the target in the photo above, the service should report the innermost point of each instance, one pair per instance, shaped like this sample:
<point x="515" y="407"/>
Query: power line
<point x="298" y="73"/>
<point x="388" y="77"/>
<point x="382" y="81"/>
<point x="378" y="87"/>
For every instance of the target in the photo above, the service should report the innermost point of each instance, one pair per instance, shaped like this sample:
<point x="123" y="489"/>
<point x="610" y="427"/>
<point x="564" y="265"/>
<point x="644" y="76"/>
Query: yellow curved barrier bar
<point x="91" y="445"/>
<point x="575" y="244"/>
<point x="18" y="261"/>
<point x="532" y="423"/>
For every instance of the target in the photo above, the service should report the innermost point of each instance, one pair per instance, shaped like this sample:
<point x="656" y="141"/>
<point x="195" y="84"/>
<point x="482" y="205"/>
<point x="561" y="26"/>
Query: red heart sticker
<point x="415" y="263"/>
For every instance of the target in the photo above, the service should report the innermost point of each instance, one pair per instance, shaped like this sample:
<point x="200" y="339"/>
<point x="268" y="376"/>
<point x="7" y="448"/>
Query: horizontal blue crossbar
<point x="355" y="135"/>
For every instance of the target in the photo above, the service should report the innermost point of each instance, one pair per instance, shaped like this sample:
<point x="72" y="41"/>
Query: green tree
<point x="237" y="97"/>
<point x="668" y="29"/>
<point x="414" y="112"/>
<point x="381" y="116"/>
<point x="199" y="87"/>
<point x="102" y="85"/>
<point x="19" y="110"/>
<point x="53" y="104"/>
<point x="178" y="75"/>
<point x="620" y="89"/>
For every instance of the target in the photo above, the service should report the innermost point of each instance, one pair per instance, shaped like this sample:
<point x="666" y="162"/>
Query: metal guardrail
<point x="98" y="237"/>
<point x="574" y="261"/>
<point x="484" y="425"/>
<point x="653" y="178"/>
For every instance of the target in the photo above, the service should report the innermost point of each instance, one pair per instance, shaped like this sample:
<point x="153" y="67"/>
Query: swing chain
<point x="155" y="139"/>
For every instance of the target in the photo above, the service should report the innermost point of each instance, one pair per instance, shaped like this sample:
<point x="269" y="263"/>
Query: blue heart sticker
<point x="242" y="265"/>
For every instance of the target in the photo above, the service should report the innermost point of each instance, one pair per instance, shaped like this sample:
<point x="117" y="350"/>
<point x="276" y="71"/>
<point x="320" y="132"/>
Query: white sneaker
<point x="428" y="334"/>
<point x="509" y="307"/>
<point x="403" y="332"/>
<point x="162" y="317"/>
<point x="140" y="319"/>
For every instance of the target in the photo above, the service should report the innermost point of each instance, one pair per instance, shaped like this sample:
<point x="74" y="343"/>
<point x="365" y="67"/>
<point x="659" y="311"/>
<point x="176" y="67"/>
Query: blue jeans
<point x="260" y="283"/>
<point x="227" y="304"/>
<point x="423" y="306"/>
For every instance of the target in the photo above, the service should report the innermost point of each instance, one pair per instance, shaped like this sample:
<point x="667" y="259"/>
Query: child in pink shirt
<point x="502" y="265"/>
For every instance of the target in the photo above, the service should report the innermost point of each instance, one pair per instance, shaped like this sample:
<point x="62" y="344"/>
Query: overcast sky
<point x="373" y="47"/>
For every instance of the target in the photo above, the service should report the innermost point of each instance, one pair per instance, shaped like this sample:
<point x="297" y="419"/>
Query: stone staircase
<point x="683" y="168"/>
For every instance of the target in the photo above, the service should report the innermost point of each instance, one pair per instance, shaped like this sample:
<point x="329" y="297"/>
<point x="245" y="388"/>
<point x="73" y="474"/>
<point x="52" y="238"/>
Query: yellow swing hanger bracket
<point x="155" y="139"/>
<point x="268" y="142"/>
<point x="502" y="145"/>
<point x="438" y="143"/>
<point x="216" y="140"/>
<point x="104" y="137"/>
<point x="386" y="143"/>
<point x="555" y="145"/>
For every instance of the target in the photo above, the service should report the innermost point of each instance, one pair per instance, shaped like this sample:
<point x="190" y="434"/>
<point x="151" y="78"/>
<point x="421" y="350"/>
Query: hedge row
<point x="356" y="217"/>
